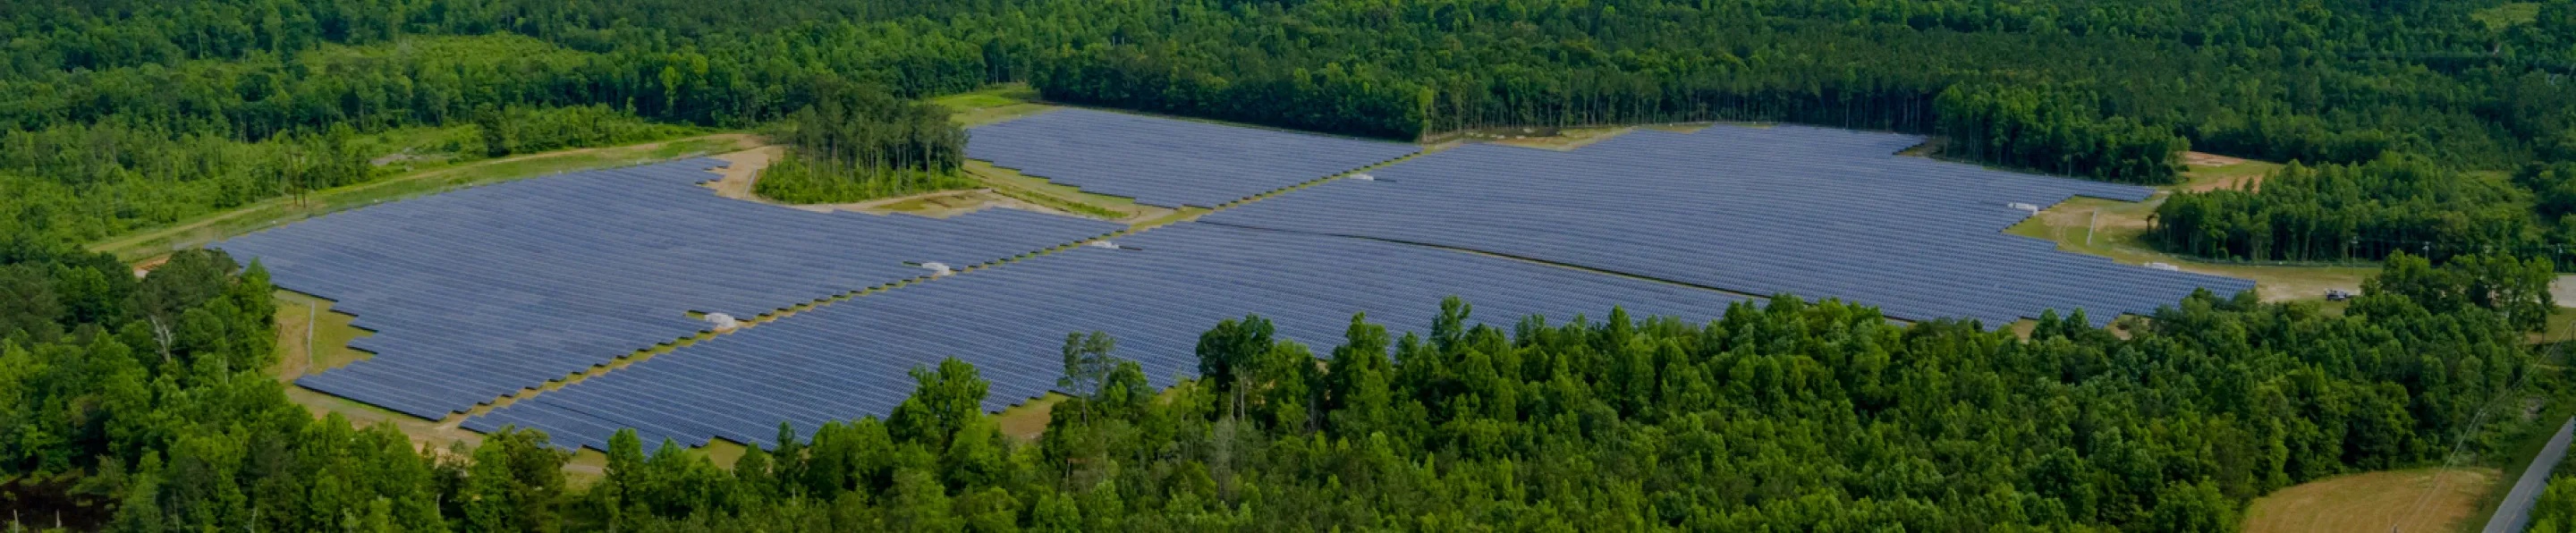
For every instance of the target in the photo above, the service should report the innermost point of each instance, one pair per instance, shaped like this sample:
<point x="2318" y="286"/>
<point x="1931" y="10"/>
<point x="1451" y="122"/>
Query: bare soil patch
<point x="2430" y="499"/>
<point x="744" y="170"/>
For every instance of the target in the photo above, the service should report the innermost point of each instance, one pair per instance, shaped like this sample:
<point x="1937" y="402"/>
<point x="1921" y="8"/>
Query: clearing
<point x="1003" y="187"/>
<point x="993" y="104"/>
<point x="275" y="211"/>
<point x="2117" y="229"/>
<point x="312" y="338"/>
<point x="2428" y="499"/>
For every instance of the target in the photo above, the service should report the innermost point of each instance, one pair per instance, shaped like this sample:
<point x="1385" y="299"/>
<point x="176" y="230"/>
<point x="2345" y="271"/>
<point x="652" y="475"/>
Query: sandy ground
<point x="2404" y="500"/>
<point x="746" y="168"/>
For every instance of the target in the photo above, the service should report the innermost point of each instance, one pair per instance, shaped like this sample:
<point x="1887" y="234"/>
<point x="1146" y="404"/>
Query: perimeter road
<point x="2515" y="514"/>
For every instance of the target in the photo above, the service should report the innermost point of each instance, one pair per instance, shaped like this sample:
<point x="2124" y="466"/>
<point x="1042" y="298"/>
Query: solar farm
<point x="1154" y="295"/>
<point x="479" y="294"/>
<point x="1807" y="211"/>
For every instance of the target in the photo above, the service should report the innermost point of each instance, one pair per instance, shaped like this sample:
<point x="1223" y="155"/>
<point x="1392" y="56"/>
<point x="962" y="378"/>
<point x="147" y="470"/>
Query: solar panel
<point x="1168" y="162"/>
<point x="1786" y="209"/>
<point x="481" y="292"/>
<point x="849" y="359"/>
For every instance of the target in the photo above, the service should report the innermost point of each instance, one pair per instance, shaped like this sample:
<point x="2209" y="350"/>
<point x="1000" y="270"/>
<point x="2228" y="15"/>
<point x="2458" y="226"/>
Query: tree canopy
<point x="121" y="115"/>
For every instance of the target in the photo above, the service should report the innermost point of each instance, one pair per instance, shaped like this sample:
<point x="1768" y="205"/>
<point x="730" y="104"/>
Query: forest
<point x="143" y="405"/>
<point x="124" y="115"/>
<point x="858" y="142"/>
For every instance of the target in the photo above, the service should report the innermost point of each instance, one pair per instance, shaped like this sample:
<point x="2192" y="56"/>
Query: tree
<point x="1227" y="353"/>
<point x="943" y="401"/>
<point x="1087" y="363"/>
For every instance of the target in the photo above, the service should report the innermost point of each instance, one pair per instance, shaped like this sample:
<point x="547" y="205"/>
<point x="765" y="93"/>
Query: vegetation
<point x="859" y="143"/>
<point x="145" y="399"/>
<point x="146" y="112"/>
<point x="2556" y="510"/>
<point x="2055" y="132"/>
<point x="2424" y="132"/>
<point x="2362" y="211"/>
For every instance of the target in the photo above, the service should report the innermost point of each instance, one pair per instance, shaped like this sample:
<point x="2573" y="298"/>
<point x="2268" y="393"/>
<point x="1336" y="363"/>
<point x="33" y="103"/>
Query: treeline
<point x="156" y="143"/>
<point x="2246" y="78"/>
<point x="2555" y="512"/>
<point x="2339" y="82"/>
<point x="2334" y="212"/>
<point x="2055" y="131"/>
<point x="1790" y="416"/>
<point x="519" y="130"/>
<point x="857" y="142"/>
<point x="145" y="399"/>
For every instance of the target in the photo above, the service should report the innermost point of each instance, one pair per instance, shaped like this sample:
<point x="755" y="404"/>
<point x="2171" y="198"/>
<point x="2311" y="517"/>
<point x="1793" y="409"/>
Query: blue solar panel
<point x="848" y="359"/>
<point x="1168" y="162"/>
<point x="479" y="293"/>
<point x="1810" y="211"/>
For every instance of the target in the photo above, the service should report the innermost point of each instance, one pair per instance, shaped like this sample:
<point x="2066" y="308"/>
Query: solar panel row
<point x="1168" y="162"/>
<point x="478" y="293"/>
<point x="848" y="359"/>
<point x="1811" y="211"/>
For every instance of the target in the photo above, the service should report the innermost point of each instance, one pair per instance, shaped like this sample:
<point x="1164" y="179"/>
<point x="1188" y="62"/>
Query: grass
<point x="2117" y="230"/>
<point x="302" y="319"/>
<point x="2376" y="501"/>
<point x="1026" y="421"/>
<point x="1050" y="194"/>
<point x="275" y="211"/>
<point x="2508" y="15"/>
<point x="993" y="104"/>
<point x="311" y="337"/>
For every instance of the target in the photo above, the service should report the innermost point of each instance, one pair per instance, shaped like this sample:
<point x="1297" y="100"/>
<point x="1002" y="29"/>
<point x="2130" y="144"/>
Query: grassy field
<point x="2116" y="230"/>
<point x="1035" y="190"/>
<point x="1028" y="420"/>
<point x="272" y="212"/>
<point x="2430" y="499"/>
<point x="311" y="338"/>
<point x="993" y="104"/>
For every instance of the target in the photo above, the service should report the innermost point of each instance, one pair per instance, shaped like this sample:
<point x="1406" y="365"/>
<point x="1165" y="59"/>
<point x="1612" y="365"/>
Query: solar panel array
<point x="848" y="359"/>
<point x="1810" y="211"/>
<point x="478" y="293"/>
<point x="1168" y="162"/>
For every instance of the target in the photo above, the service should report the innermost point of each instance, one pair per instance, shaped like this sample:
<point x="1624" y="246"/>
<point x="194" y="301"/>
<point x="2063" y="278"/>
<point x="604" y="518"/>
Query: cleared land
<point x="311" y="338"/>
<point x="1816" y="212"/>
<point x="850" y="358"/>
<point x="2117" y="229"/>
<point x="993" y="104"/>
<point x="1169" y="162"/>
<point x="1004" y="188"/>
<point x="572" y="271"/>
<point x="2430" y="499"/>
<point x="276" y="211"/>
